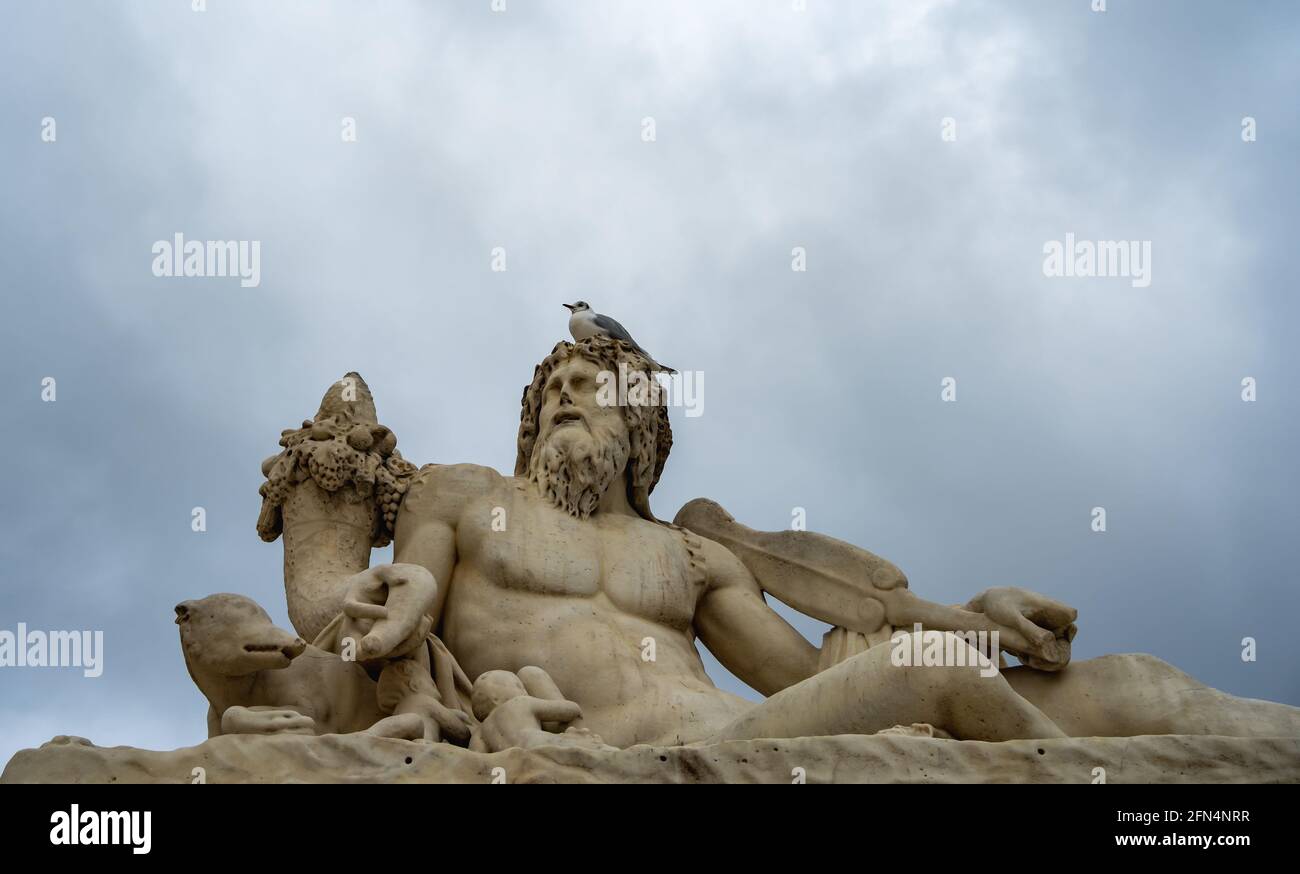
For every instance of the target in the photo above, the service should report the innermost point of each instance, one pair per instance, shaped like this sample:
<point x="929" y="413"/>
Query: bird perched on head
<point x="585" y="322"/>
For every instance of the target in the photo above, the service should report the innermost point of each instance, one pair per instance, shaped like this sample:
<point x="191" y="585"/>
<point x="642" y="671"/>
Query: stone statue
<point x="550" y="612"/>
<point x="563" y="566"/>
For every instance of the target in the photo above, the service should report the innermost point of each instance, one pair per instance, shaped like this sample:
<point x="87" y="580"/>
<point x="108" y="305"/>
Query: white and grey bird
<point x="585" y="322"/>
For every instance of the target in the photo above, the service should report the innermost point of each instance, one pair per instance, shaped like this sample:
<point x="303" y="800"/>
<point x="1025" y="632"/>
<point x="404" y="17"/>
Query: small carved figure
<point x="525" y="710"/>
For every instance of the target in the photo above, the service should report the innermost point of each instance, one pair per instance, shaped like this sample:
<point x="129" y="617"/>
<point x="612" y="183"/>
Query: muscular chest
<point x="526" y="545"/>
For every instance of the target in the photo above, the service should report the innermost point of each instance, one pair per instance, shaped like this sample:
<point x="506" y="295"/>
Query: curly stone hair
<point x="647" y="425"/>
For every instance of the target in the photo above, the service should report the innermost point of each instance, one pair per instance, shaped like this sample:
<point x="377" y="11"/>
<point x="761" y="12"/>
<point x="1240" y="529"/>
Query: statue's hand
<point x="454" y="724"/>
<point x="443" y="723"/>
<point x="1047" y="624"/>
<point x="265" y="720"/>
<point x="386" y="609"/>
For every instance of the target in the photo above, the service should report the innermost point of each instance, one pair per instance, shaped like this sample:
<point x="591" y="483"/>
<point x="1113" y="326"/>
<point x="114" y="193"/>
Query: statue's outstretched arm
<point x="851" y="588"/>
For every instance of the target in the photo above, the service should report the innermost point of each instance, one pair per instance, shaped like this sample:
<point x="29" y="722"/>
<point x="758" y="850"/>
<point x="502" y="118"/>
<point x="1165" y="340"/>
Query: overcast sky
<point x="773" y="129"/>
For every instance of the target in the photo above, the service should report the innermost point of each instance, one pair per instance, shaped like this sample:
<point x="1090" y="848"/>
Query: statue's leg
<point x="1127" y="695"/>
<point x="867" y="693"/>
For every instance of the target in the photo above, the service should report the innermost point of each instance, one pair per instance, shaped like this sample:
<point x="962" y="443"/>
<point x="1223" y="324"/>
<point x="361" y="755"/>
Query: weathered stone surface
<point x="359" y="758"/>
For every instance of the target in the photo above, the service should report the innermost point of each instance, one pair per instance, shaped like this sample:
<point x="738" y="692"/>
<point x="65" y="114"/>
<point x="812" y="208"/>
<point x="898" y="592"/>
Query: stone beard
<point x="573" y="466"/>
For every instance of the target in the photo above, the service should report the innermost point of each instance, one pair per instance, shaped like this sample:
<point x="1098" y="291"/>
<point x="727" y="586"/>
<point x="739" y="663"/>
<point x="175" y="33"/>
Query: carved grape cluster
<point x="335" y="451"/>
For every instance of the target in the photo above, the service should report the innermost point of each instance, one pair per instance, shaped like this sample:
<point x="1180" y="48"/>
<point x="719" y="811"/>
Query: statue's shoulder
<point x="448" y="487"/>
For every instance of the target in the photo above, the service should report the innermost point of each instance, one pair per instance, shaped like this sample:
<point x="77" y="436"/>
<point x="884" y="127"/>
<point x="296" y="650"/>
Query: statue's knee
<point x="942" y="663"/>
<point x="1148" y="662"/>
<point x="1139" y="666"/>
<point x="532" y="674"/>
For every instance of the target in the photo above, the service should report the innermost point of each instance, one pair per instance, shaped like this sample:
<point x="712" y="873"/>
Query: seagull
<point x="585" y="322"/>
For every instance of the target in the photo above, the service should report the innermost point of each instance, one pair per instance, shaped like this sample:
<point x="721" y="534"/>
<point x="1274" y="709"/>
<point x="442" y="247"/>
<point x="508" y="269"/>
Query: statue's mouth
<point x="565" y="417"/>
<point x="287" y="651"/>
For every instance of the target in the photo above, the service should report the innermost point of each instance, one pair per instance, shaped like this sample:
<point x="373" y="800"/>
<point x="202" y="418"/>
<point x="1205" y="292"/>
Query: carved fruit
<point x="359" y="438"/>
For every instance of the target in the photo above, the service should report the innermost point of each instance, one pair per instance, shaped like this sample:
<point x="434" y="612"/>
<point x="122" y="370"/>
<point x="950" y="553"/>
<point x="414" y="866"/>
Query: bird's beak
<point x="568" y="306"/>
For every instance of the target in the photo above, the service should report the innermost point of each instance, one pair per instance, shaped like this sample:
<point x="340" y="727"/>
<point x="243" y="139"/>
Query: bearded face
<point x="582" y="446"/>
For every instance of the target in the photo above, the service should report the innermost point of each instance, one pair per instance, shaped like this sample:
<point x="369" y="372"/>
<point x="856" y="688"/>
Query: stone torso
<point x="604" y="605"/>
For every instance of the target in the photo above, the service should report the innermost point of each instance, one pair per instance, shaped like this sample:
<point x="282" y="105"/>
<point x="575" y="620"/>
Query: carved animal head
<point x="231" y="636"/>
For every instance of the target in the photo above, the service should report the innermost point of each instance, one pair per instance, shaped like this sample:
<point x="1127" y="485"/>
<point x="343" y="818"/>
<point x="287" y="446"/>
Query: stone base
<point x="358" y="758"/>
